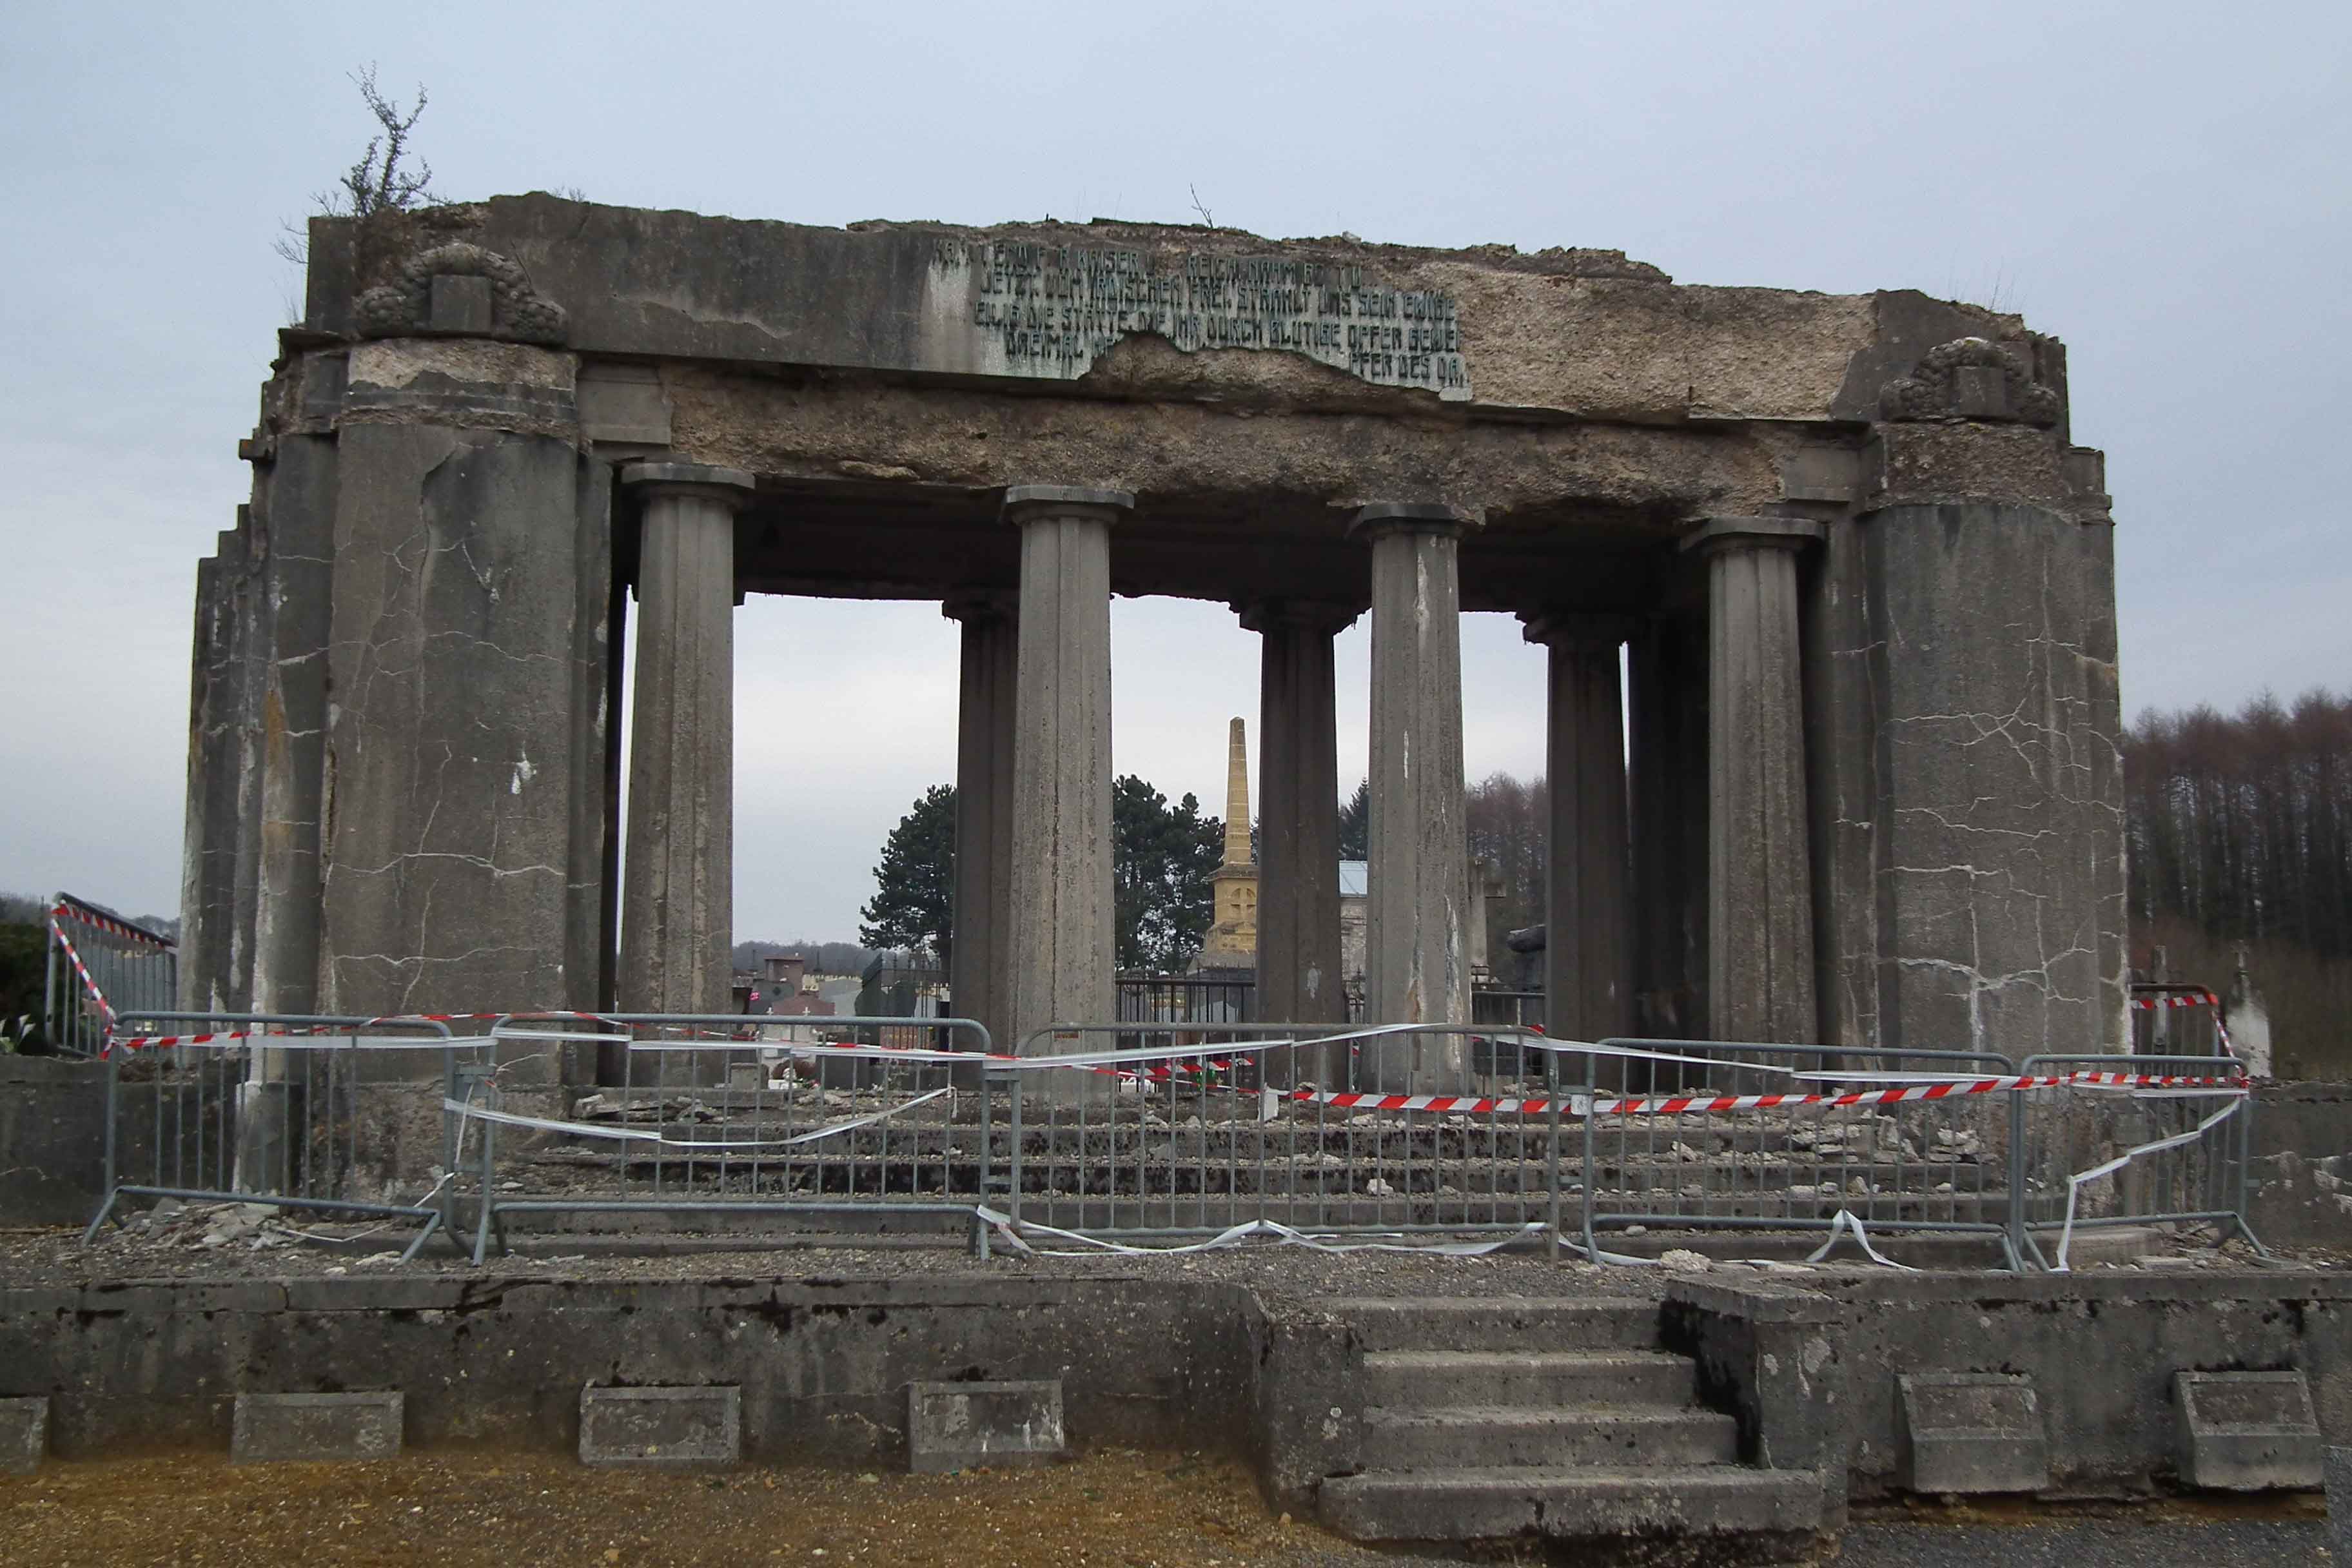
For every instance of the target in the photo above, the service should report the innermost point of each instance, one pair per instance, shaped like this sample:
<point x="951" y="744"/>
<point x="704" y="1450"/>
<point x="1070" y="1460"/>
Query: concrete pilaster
<point x="1589" y="945"/>
<point x="448" y="803"/>
<point x="1299" y="972"/>
<point x="298" y="517"/>
<point x="1991" y="660"/>
<point x="1063" y="951"/>
<point x="1416" y="960"/>
<point x="678" y="899"/>
<point x="220" y="870"/>
<point x="978" y="965"/>
<point x="1760" y="978"/>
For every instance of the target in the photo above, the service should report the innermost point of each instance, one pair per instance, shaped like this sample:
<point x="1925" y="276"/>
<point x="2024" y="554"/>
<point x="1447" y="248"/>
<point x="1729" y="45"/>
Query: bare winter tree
<point x="384" y="179"/>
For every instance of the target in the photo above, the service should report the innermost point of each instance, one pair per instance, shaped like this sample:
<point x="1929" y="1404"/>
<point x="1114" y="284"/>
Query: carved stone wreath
<point x="1970" y="378"/>
<point x="519" y="313"/>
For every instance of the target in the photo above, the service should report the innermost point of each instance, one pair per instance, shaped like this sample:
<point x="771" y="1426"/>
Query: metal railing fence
<point x="1116" y="1134"/>
<point x="1320" y="1127"/>
<point x="2129" y="1141"/>
<point x="728" y="1116"/>
<point x="1519" y="1009"/>
<point x="1184" y="999"/>
<point x="295" y="1111"/>
<point x="2174" y="1018"/>
<point x="1721" y="1135"/>
<point x="101" y="966"/>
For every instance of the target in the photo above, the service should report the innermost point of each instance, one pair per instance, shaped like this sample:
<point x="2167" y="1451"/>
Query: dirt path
<point x="1117" y="1510"/>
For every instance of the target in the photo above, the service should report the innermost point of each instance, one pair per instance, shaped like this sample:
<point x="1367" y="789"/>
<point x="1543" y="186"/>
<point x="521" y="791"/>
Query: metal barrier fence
<point x="1730" y="1136"/>
<point x="2133" y="1140"/>
<point x="1401" y="1130"/>
<point x="2169" y="1018"/>
<point x="1519" y="1009"/>
<point x="101" y="966"/>
<point x="305" y="1112"/>
<point x="728" y="1116"/>
<point x="1322" y="1129"/>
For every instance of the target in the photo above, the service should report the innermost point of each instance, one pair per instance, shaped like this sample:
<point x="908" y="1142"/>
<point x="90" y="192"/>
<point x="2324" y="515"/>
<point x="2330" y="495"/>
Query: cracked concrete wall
<point x="219" y="865"/>
<point x="1996" y="804"/>
<point x="461" y="702"/>
<point x="298" y="500"/>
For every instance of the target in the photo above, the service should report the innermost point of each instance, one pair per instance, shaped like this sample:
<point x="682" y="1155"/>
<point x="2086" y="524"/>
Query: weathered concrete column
<point x="1667" y="692"/>
<point x="1589" y="912"/>
<point x="678" y="888"/>
<point x="1063" y="951"/>
<point x="1298" y="976"/>
<point x="978" y="966"/>
<point x="1415" y="941"/>
<point x="1760" y="981"/>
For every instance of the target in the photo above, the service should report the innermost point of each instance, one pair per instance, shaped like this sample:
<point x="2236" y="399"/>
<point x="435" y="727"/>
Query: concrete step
<point x="1514" y="1323"/>
<point x="1621" y="1437"/>
<point x="1491" y="1504"/>
<point x="1436" y="1378"/>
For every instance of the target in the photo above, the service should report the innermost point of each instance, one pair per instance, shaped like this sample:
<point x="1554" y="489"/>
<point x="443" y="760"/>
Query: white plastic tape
<point x="1013" y="1234"/>
<point x="2074" y="1183"/>
<point x="691" y="1146"/>
<point x="1845" y="1223"/>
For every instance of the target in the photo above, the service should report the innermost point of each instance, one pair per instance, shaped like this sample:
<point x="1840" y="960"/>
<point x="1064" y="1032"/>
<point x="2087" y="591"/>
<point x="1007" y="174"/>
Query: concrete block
<point x="461" y="304"/>
<point x="661" y="1429"/>
<point x="623" y="404"/>
<point x="24" y="1434"/>
<point x="272" y="1427"/>
<point x="951" y="1425"/>
<point x="2247" y="1431"/>
<point x="1980" y="391"/>
<point x="1820" y="473"/>
<point x="1970" y="1432"/>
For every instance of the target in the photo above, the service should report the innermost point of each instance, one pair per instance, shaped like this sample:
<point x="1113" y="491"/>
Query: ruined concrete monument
<point x="1862" y="575"/>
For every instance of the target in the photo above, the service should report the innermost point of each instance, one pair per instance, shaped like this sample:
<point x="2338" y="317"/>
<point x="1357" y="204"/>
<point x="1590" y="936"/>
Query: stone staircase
<point x="1562" y="1419"/>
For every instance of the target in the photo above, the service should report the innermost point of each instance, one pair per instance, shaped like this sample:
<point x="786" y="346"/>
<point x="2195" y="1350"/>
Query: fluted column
<point x="1298" y="974"/>
<point x="979" y="975"/>
<point x="1416" y="963"/>
<point x="1589" y="945"/>
<point x="1061" y="926"/>
<point x="677" y="881"/>
<point x="1760" y="984"/>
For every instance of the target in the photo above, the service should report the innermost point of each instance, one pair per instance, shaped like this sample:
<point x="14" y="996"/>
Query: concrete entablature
<point x="1863" y="579"/>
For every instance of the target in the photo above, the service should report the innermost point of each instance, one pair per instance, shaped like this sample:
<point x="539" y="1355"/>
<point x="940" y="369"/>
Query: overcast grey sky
<point x="2164" y="187"/>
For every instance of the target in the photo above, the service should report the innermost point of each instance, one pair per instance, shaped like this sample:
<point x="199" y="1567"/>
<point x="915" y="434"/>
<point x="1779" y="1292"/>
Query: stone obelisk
<point x="1232" y="942"/>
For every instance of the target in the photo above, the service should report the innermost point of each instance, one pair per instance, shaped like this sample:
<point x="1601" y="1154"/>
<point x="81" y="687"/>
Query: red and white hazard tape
<point x="1704" y="1104"/>
<point x="58" y="932"/>
<point x="72" y="908"/>
<point x="2189" y="999"/>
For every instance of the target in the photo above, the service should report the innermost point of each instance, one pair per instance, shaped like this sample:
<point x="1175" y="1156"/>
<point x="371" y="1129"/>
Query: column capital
<point x="981" y="604"/>
<point x="1296" y="615"/>
<point x="728" y="487"/>
<point x="1387" y="517"/>
<point x="1719" y="534"/>
<point x="1578" y="629"/>
<point x="1030" y="503"/>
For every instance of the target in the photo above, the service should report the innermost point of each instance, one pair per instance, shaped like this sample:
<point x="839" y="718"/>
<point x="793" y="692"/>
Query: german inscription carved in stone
<point x="1048" y="310"/>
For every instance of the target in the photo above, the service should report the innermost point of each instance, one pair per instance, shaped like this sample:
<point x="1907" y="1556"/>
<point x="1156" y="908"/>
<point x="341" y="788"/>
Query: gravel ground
<point x="1113" y="1510"/>
<point x="504" y="1510"/>
<point x="2116" y="1545"/>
